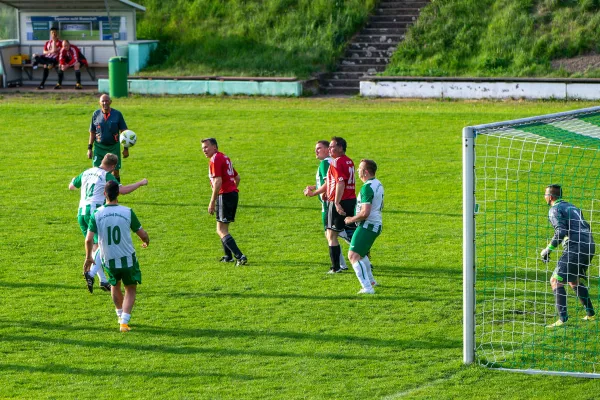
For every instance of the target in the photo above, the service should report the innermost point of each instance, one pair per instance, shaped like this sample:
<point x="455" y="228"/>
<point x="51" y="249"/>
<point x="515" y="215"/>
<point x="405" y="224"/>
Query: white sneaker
<point x="366" y="291"/>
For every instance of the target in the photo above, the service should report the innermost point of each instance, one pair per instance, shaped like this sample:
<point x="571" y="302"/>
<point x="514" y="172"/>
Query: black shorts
<point x="226" y="207"/>
<point x="572" y="265"/>
<point x="335" y="221"/>
<point x="48" y="61"/>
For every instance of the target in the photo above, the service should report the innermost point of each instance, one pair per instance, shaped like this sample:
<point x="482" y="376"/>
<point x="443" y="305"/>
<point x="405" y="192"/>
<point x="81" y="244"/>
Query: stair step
<point x="403" y="4"/>
<point x="390" y="39"/>
<point x="362" y="46"/>
<point x="341" y="91"/>
<point x="373" y="53"/>
<point x="346" y="75"/>
<point x="354" y="83"/>
<point x="377" y="19"/>
<point x="395" y="11"/>
<point x="364" y="61"/>
<point x="366" y="68"/>
<point x="383" y="31"/>
<point x="387" y="27"/>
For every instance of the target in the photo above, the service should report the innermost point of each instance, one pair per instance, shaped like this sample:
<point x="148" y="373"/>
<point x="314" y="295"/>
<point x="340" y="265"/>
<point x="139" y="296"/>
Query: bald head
<point x="105" y="102"/>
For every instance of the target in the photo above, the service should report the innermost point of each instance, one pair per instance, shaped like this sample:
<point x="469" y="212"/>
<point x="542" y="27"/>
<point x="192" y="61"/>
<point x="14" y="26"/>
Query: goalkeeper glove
<point x="545" y="254"/>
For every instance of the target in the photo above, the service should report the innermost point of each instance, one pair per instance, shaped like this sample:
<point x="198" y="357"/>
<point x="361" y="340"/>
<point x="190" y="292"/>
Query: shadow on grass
<point x="68" y="370"/>
<point x="37" y="285"/>
<point x="431" y="343"/>
<point x="437" y="214"/>
<point x="185" y="349"/>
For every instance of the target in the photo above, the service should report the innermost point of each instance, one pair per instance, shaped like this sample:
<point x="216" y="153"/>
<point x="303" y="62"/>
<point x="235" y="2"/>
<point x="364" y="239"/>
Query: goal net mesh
<point x="514" y="301"/>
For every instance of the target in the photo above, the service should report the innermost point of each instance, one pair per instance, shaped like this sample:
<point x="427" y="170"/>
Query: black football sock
<point x="334" y="255"/>
<point x="44" y="77"/>
<point x="61" y="75"/>
<point x="78" y="77"/>
<point x="560" y="295"/>
<point x="584" y="299"/>
<point x="226" y="250"/>
<point x="229" y="242"/>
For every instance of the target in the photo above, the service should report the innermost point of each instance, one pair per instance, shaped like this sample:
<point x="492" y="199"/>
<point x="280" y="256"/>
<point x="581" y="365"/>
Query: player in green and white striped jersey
<point x="369" y="221"/>
<point x="112" y="223"/>
<point x="322" y="153"/>
<point x="92" y="182"/>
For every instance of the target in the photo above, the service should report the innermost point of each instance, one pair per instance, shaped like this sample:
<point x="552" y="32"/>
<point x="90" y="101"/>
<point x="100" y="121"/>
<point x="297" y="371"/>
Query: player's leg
<point x="61" y="75"/>
<point x="226" y="208"/>
<point x="131" y="278"/>
<point x="557" y="282"/>
<point x="334" y="226"/>
<point x="77" y="69"/>
<point x="362" y="241"/>
<point x="45" y="73"/>
<point x="582" y="292"/>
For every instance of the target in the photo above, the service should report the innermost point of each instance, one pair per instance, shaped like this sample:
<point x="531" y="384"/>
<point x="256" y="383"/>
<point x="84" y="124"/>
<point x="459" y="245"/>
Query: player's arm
<point x="122" y="128"/>
<point x="560" y="231"/>
<point x="339" y="192"/>
<point x="313" y="192"/>
<point x="126" y="189"/>
<point x="365" y="211"/>
<point x="236" y="178"/>
<point x="91" y="141"/>
<point x="143" y="235"/>
<point x="216" y="186"/>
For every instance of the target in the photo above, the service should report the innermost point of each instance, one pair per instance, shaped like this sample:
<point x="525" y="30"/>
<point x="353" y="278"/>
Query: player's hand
<point x="89" y="154"/>
<point x="545" y="254"/>
<point x="339" y="209"/>
<point x="125" y="152"/>
<point x="87" y="264"/>
<point x="211" y="208"/>
<point x="348" y="220"/>
<point x="308" y="190"/>
<point x="144" y="182"/>
<point x="144" y="244"/>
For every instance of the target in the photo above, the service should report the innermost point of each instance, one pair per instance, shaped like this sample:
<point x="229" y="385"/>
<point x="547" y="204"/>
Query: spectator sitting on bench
<point x="50" y="58"/>
<point x="71" y="56"/>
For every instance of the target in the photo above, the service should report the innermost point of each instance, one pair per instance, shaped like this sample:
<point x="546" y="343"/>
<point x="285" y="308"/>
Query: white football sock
<point x="366" y="260"/>
<point x="342" y="258"/>
<point x="97" y="269"/>
<point x="125" y="318"/>
<point x="361" y="273"/>
<point x="119" y="312"/>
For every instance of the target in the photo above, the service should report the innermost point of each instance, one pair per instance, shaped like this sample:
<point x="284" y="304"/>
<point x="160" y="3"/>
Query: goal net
<point x="508" y="301"/>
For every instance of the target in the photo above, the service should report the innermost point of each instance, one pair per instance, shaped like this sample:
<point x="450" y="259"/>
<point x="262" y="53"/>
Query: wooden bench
<point x="91" y="69"/>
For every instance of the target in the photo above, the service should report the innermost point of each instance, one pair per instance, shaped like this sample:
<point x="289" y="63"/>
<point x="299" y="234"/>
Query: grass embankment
<point x="249" y="38"/>
<point x="501" y="38"/>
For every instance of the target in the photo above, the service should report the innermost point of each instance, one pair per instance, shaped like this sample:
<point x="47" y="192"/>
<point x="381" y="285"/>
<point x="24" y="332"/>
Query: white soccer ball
<point x="128" y="138"/>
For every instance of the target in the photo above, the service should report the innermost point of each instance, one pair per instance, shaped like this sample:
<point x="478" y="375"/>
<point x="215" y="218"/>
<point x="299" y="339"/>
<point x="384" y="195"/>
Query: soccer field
<point x="278" y="328"/>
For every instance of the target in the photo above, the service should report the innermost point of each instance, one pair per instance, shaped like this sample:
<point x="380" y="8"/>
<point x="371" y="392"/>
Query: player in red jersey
<point x="224" y="180"/>
<point x="340" y="192"/>
<point x="70" y="56"/>
<point x="49" y="58"/>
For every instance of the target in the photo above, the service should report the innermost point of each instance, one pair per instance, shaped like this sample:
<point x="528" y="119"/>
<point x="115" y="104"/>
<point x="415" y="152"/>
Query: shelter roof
<point x="71" y="5"/>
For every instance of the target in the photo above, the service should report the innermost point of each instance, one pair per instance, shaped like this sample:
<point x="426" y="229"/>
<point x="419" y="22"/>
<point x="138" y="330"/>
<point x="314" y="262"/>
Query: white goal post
<point x="507" y="299"/>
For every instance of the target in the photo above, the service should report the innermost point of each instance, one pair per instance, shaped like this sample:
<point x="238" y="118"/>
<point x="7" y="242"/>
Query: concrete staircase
<point x="370" y="50"/>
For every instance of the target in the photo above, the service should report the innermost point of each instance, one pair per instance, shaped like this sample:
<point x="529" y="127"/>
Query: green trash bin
<point x="117" y="77"/>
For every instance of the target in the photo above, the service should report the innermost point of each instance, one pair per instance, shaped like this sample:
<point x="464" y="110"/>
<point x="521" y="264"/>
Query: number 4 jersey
<point x="112" y="223"/>
<point x="92" y="182"/>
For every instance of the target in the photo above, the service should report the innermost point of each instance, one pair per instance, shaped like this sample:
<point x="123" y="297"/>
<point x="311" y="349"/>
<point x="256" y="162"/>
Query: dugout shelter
<point x="101" y="30"/>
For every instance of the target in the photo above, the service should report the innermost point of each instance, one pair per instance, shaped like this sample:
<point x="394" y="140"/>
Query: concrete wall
<point x="569" y="89"/>
<point x="139" y="54"/>
<point x="213" y="87"/>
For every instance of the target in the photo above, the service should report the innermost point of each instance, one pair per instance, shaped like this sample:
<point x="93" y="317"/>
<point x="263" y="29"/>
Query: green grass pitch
<point x="279" y="328"/>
